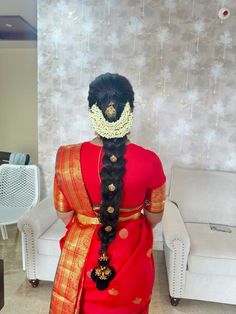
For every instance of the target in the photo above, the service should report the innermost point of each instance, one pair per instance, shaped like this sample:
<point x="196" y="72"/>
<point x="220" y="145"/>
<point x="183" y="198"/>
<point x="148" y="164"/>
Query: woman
<point x="110" y="193"/>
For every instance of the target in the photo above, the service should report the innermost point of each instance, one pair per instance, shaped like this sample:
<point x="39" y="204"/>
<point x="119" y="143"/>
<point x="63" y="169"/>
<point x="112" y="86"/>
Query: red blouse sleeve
<point x="156" y="192"/>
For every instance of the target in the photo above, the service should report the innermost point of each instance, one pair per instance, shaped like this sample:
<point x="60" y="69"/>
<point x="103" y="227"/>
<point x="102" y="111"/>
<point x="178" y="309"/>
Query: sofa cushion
<point x="48" y="243"/>
<point x="204" y="196"/>
<point x="211" y="252"/>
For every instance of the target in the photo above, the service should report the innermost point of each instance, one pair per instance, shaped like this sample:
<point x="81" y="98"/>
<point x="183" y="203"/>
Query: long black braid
<point x="105" y="89"/>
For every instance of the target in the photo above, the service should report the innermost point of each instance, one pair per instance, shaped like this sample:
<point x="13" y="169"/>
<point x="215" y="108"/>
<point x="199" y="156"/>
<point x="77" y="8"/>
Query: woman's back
<point x="143" y="172"/>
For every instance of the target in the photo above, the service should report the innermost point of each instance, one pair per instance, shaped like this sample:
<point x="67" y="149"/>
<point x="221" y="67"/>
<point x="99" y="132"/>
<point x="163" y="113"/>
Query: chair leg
<point x="34" y="283"/>
<point x="174" y="301"/>
<point x="4" y="232"/>
<point x="23" y="250"/>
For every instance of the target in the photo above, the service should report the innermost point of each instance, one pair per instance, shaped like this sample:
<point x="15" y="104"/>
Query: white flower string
<point x="116" y="129"/>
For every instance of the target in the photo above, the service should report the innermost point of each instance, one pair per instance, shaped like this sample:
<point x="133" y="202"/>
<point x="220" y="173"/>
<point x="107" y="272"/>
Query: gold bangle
<point x="63" y="211"/>
<point x="161" y="211"/>
<point x="148" y="203"/>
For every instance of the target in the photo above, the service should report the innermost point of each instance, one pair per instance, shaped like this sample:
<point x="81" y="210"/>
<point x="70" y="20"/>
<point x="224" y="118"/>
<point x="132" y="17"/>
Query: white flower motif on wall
<point x="88" y="29"/>
<point x="134" y="28"/>
<point x="55" y="102"/>
<point x="216" y="73"/>
<point x="140" y="62"/>
<point x="193" y="8"/>
<point x="192" y="99"/>
<point x="143" y="7"/>
<point x="171" y="6"/>
<point x="62" y="7"/>
<point x="225" y="41"/>
<point x="161" y="139"/>
<point x="158" y="104"/>
<point x="163" y="35"/>
<point x="199" y="28"/>
<point x="209" y="138"/>
<point x="218" y="108"/>
<point x="57" y="38"/>
<point x="108" y="7"/>
<point x="166" y="77"/>
<point x="188" y="63"/>
<point x="81" y="61"/>
<point x="61" y="73"/>
<point x="182" y="129"/>
<point x="113" y="40"/>
<point x="231" y="161"/>
<point x="187" y="159"/>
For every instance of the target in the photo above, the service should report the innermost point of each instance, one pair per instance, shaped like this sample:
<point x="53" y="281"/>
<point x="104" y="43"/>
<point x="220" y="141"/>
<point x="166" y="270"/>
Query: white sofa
<point x="200" y="262"/>
<point x="41" y="231"/>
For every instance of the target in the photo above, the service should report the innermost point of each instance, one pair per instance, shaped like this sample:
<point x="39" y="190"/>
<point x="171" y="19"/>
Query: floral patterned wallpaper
<point x="179" y="56"/>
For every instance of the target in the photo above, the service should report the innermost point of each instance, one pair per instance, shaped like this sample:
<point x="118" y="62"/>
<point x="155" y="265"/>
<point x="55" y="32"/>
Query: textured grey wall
<point x="179" y="57"/>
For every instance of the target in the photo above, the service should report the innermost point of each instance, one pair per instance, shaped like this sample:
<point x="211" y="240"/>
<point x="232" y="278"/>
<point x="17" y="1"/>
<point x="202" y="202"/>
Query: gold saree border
<point x="84" y="219"/>
<point x="60" y="203"/>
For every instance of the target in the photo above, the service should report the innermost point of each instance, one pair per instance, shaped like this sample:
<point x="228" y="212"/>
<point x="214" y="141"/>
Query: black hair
<point x="106" y="89"/>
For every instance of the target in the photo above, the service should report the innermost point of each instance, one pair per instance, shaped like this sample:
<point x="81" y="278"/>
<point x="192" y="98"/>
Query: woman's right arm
<point x="66" y="216"/>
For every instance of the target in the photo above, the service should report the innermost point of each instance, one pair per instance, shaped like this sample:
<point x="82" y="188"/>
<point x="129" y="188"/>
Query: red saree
<point x="77" y="187"/>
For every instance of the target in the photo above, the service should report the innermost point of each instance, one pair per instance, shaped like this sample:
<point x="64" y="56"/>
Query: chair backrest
<point x="4" y="157"/>
<point x="19" y="185"/>
<point x="204" y="195"/>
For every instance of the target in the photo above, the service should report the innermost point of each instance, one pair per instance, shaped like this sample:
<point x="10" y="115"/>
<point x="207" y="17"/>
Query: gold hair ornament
<point x="110" y="111"/>
<point x="115" y="129"/>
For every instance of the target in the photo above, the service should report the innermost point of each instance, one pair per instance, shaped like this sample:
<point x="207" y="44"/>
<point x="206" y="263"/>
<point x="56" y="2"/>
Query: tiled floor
<point x="20" y="298"/>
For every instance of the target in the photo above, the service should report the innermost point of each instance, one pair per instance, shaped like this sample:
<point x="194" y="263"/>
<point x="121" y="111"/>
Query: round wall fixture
<point x="224" y="13"/>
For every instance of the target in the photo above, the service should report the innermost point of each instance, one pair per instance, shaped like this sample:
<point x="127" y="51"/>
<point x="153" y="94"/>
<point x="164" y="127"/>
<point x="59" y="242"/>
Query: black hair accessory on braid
<point x="106" y="89"/>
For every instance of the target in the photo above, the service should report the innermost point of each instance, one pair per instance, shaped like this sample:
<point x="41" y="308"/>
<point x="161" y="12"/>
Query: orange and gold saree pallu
<point x="66" y="292"/>
<point x="69" y="279"/>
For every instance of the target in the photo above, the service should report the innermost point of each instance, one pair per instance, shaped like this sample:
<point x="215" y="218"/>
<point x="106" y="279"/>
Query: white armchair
<point x="200" y="262"/>
<point x="41" y="231"/>
<point x="19" y="191"/>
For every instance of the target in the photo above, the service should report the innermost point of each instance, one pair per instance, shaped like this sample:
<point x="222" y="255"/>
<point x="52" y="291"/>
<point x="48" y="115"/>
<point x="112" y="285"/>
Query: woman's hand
<point x="153" y="218"/>
<point x="65" y="216"/>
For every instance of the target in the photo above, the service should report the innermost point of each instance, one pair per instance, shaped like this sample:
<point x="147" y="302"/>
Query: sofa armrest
<point x="39" y="217"/>
<point x="176" y="248"/>
<point x="32" y="225"/>
<point x="173" y="226"/>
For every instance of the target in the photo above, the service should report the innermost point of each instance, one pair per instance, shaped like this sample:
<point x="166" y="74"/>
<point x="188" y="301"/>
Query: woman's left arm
<point x="153" y="218"/>
<point x="155" y="203"/>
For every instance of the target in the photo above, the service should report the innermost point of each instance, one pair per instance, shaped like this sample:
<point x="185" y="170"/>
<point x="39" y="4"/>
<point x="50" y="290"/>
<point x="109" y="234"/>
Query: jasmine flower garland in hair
<point x="116" y="129"/>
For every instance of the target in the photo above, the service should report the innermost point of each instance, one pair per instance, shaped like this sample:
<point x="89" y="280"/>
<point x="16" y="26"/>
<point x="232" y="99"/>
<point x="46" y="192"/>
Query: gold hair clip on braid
<point x="113" y="158"/>
<point x="103" y="273"/>
<point x="111" y="187"/>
